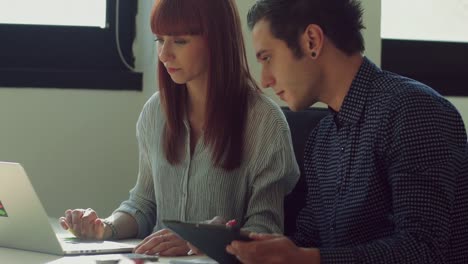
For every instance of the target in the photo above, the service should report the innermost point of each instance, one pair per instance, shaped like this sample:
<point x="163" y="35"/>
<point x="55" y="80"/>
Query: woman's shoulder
<point x="152" y="105"/>
<point x="153" y="102"/>
<point x="151" y="109"/>
<point x="265" y="113"/>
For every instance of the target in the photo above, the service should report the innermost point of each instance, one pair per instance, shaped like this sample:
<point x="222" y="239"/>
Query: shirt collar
<point x="354" y="102"/>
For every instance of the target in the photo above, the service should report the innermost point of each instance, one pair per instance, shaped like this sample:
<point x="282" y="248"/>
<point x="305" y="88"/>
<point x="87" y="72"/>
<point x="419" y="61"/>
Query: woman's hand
<point x="164" y="243"/>
<point x="84" y="224"/>
<point x="217" y="220"/>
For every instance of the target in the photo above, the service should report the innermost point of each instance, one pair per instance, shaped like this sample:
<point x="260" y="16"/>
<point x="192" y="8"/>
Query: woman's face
<point x="184" y="56"/>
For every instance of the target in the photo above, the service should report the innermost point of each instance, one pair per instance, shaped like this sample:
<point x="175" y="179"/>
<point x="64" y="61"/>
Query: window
<point x="427" y="40"/>
<point x="68" y="44"/>
<point x="64" y="12"/>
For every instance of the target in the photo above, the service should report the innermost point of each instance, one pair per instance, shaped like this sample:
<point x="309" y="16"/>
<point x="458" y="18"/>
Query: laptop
<point x="25" y="225"/>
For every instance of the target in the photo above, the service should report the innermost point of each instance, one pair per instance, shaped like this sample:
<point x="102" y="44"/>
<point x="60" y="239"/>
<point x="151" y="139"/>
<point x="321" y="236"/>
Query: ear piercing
<point x="314" y="54"/>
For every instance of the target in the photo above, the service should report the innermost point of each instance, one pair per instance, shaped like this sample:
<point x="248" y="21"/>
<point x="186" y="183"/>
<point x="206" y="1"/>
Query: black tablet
<point x="211" y="239"/>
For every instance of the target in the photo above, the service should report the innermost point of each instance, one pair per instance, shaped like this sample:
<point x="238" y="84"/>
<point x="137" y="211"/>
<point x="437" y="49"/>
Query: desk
<point x="15" y="256"/>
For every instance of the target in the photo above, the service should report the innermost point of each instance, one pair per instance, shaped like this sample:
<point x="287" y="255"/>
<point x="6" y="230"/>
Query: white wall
<point x="79" y="146"/>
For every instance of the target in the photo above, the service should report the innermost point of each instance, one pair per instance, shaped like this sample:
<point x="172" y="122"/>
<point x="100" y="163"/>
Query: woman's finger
<point x="180" y="250"/>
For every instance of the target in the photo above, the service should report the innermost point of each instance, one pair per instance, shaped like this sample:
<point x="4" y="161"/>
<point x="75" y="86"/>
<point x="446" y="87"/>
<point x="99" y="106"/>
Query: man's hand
<point x="268" y="248"/>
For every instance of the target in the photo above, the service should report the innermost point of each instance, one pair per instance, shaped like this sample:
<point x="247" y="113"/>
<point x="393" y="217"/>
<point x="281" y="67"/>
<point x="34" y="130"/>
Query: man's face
<point x="293" y="79"/>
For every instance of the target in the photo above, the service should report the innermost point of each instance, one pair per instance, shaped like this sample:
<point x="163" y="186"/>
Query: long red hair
<point x="229" y="84"/>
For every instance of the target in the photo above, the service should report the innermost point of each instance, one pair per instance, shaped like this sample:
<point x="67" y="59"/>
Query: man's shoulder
<point x="396" y="93"/>
<point x="397" y="88"/>
<point x="406" y="106"/>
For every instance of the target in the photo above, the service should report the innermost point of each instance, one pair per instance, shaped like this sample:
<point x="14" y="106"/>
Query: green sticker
<point x="3" y="212"/>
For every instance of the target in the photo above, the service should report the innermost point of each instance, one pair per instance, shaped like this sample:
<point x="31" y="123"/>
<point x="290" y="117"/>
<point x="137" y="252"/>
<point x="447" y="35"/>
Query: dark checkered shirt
<point x="387" y="176"/>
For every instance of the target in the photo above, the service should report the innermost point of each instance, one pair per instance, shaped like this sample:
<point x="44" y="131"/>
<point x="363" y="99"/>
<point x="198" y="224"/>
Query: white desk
<point x="14" y="256"/>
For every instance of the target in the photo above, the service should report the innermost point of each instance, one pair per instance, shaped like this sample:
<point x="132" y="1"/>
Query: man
<point x="386" y="171"/>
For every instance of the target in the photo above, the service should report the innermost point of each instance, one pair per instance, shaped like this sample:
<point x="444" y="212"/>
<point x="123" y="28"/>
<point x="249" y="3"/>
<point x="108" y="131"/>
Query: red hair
<point x="229" y="84"/>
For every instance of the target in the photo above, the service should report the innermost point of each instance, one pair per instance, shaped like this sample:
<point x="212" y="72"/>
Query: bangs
<point x="176" y="17"/>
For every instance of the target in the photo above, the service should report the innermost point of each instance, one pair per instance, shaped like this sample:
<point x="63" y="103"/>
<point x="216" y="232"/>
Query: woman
<point x="210" y="144"/>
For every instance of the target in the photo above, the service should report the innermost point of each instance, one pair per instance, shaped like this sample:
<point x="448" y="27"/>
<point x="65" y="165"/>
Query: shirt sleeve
<point x="275" y="173"/>
<point x="141" y="202"/>
<point x="423" y="143"/>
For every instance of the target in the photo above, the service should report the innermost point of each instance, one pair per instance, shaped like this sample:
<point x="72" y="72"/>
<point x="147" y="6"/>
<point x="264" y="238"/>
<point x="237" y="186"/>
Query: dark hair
<point x="229" y="84"/>
<point x="340" y="20"/>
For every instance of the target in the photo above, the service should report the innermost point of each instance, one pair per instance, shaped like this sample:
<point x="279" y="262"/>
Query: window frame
<point x="440" y="65"/>
<point x="75" y="57"/>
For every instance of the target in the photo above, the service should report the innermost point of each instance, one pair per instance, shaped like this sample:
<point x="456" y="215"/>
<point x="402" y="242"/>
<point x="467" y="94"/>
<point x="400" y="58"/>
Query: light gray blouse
<point x="197" y="190"/>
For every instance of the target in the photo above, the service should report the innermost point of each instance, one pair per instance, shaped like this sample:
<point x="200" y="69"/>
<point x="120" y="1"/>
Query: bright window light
<point x="89" y="13"/>
<point x="432" y="20"/>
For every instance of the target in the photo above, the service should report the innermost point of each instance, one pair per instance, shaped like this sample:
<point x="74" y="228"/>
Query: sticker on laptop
<point x="3" y="212"/>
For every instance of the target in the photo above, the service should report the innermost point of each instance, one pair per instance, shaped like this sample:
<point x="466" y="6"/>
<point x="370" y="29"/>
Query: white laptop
<point x="25" y="225"/>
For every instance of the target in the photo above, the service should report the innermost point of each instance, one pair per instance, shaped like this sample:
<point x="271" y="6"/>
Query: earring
<point x="314" y="54"/>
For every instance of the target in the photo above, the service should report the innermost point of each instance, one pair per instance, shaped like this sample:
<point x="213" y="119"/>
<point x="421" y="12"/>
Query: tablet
<point x="211" y="239"/>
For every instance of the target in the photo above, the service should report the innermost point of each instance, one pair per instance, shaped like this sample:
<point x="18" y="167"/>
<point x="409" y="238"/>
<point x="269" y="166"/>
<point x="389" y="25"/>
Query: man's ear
<point x="312" y="40"/>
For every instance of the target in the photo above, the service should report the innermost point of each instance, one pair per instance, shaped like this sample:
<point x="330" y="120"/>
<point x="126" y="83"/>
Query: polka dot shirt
<point x="387" y="176"/>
